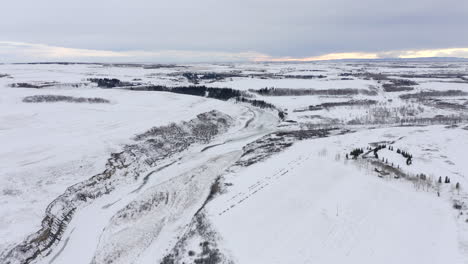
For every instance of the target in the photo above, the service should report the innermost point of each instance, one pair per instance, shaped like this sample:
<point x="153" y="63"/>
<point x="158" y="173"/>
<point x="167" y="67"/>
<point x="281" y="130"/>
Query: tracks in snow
<point x="238" y="198"/>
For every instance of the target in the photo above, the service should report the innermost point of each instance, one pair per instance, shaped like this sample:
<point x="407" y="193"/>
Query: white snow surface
<point x="47" y="147"/>
<point x="305" y="204"/>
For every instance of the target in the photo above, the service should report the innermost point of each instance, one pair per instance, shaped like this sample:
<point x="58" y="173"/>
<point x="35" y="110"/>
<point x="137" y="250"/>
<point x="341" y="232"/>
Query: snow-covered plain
<point x="332" y="212"/>
<point x="238" y="185"/>
<point x="60" y="144"/>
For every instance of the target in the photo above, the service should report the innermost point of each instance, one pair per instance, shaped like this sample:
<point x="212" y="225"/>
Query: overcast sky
<point x="204" y="30"/>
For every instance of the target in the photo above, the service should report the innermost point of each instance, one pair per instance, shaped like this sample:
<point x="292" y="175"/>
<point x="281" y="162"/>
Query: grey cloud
<point x="279" y="28"/>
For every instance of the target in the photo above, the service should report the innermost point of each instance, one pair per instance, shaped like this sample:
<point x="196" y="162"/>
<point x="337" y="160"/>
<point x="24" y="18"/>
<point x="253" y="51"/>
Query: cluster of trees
<point x="216" y="93"/>
<point x="191" y="77"/>
<point x="222" y="93"/>
<point x="105" y="82"/>
<point x="368" y="76"/>
<point x="447" y="180"/>
<point x="422" y="176"/>
<point x="404" y="153"/>
<point x="403" y="82"/>
<point x="196" y="77"/>
<point x="258" y="103"/>
<point x="379" y="147"/>
<point x="390" y="87"/>
<point x="110" y="83"/>
<point x="409" y="157"/>
<point x="358" y="151"/>
<point x="355" y="153"/>
<point x="398" y="85"/>
<point x="218" y="75"/>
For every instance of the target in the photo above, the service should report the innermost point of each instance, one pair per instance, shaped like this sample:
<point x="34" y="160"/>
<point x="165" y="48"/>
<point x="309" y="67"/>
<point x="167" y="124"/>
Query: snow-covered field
<point x="100" y="165"/>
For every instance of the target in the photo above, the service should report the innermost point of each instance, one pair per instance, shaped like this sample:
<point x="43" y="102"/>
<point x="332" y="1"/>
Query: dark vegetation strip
<point x="449" y="105"/>
<point x="196" y="77"/>
<point x="304" y="92"/>
<point x="398" y="85"/>
<point x="336" y="104"/>
<point x="62" y="98"/>
<point x="111" y="83"/>
<point x="217" y="93"/>
<point x="306" y="77"/>
<point x="33" y="85"/>
<point x="388" y="87"/>
<point x="435" y="76"/>
<point x="426" y="94"/>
